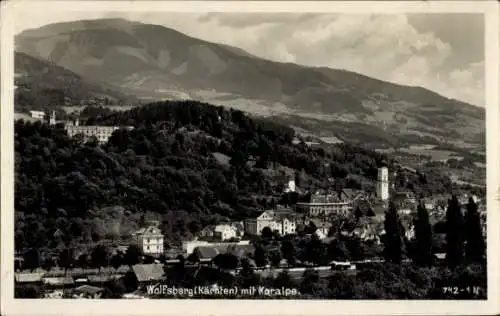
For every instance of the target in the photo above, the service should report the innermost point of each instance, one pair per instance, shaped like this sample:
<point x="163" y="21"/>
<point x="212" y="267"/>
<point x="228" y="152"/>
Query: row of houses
<point x="285" y="221"/>
<point x="87" y="282"/>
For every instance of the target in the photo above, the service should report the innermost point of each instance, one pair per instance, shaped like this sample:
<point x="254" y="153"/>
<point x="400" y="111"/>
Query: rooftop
<point x="148" y="272"/>
<point x="151" y="230"/>
<point x="88" y="289"/>
<point x="206" y="252"/>
<point x="29" y="277"/>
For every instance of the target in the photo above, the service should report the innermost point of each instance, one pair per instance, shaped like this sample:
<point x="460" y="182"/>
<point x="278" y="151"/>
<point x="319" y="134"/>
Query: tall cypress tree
<point x="475" y="246"/>
<point x="423" y="235"/>
<point x="393" y="239"/>
<point x="454" y="233"/>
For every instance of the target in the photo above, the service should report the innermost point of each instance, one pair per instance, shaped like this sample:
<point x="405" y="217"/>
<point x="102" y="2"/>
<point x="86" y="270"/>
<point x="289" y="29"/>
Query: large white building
<point x="225" y="232"/>
<point x="102" y="133"/>
<point x="339" y="202"/>
<point x="281" y="221"/>
<point x="149" y="240"/>
<point x="37" y="114"/>
<point x="383" y="184"/>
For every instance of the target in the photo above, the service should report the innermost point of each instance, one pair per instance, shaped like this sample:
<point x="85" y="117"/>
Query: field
<point x="434" y="154"/>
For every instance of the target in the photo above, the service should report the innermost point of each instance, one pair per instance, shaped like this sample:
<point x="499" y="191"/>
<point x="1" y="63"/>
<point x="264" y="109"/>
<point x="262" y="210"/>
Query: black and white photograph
<point x="233" y="152"/>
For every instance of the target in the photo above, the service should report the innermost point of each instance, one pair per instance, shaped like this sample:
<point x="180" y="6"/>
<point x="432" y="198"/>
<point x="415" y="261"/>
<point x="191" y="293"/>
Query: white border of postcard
<point x="23" y="9"/>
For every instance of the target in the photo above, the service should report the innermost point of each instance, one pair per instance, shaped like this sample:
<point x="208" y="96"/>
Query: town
<point x="337" y="230"/>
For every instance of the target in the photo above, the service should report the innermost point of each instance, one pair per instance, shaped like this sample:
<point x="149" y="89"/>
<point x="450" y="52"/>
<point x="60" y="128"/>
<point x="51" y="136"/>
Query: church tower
<point x="52" y="119"/>
<point x="383" y="184"/>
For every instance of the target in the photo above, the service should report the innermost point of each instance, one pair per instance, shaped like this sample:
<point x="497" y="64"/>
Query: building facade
<point x="383" y="184"/>
<point x="254" y="226"/>
<point x="102" y="133"/>
<point x="338" y="203"/>
<point x="283" y="222"/>
<point x="37" y="114"/>
<point x="225" y="232"/>
<point x="149" y="240"/>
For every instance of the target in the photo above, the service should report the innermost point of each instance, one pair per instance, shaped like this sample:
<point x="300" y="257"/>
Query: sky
<point x="443" y="52"/>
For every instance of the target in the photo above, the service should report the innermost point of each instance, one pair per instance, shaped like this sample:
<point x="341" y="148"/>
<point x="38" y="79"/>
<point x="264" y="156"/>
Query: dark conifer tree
<point x="423" y="235"/>
<point x="358" y="213"/>
<point x="454" y="233"/>
<point x="393" y="239"/>
<point x="475" y="246"/>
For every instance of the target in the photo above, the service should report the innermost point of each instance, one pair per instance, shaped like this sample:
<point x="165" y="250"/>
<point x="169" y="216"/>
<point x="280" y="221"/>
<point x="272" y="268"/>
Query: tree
<point x="66" y="258"/>
<point x="267" y="233"/>
<point x="238" y="158"/>
<point x="454" y="233"/>
<point x="99" y="257"/>
<point x="370" y="212"/>
<point x="423" y="234"/>
<point x="132" y="255"/>
<point x="148" y="259"/>
<point x="48" y="263"/>
<point x="65" y="180"/>
<point x="247" y="276"/>
<point x="29" y="291"/>
<point x="275" y="258"/>
<point x="226" y="261"/>
<point x="246" y="267"/>
<point x="309" y="282"/>
<point x="358" y="213"/>
<point x="311" y="228"/>
<point x="193" y="257"/>
<point x="337" y="250"/>
<point x="83" y="261"/>
<point x="289" y="252"/>
<point x="260" y="256"/>
<point x="32" y="259"/>
<point x="116" y="260"/>
<point x="114" y="289"/>
<point x="475" y="245"/>
<point x="283" y="280"/>
<point x="315" y="251"/>
<point x="393" y="238"/>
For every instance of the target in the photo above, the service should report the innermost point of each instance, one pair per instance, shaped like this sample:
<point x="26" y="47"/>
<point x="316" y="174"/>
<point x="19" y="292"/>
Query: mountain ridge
<point x="42" y="84"/>
<point x="156" y="62"/>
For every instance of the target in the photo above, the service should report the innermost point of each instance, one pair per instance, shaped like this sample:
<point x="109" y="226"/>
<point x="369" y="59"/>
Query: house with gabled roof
<point x="147" y="273"/>
<point x="254" y="226"/>
<point x="282" y="221"/>
<point x="149" y="239"/>
<point x="206" y="253"/>
<point x="340" y="202"/>
<point x="224" y="231"/>
<point x="29" y="277"/>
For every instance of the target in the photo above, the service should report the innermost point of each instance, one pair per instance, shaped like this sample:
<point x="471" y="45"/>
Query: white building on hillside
<point x="37" y="114"/>
<point x="149" y="239"/>
<point x="283" y="222"/>
<point x="225" y="232"/>
<point x="102" y="133"/>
